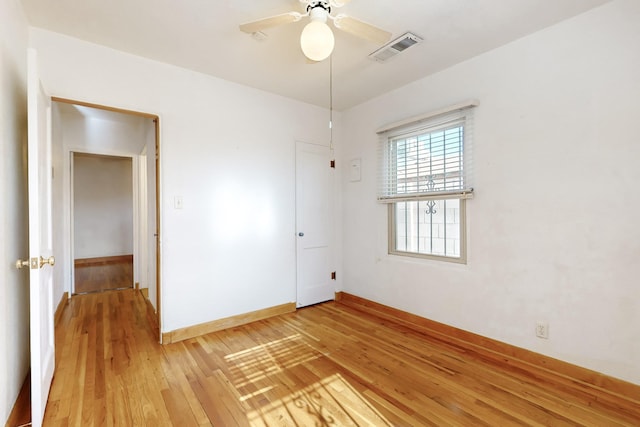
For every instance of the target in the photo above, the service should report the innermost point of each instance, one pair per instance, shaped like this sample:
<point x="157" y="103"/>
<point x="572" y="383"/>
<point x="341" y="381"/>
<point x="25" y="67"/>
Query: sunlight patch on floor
<point x="329" y="402"/>
<point x="255" y="364"/>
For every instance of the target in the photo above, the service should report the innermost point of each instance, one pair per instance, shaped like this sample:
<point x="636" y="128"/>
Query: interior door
<point x="314" y="209"/>
<point x="40" y="242"/>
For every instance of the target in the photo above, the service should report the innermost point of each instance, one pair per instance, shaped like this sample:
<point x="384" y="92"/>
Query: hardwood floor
<point x="324" y="365"/>
<point x="102" y="274"/>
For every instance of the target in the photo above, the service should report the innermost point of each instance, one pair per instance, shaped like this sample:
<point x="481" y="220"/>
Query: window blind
<point x="428" y="157"/>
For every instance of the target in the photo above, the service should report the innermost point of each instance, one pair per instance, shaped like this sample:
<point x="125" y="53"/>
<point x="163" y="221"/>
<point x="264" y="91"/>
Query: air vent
<point x="393" y="48"/>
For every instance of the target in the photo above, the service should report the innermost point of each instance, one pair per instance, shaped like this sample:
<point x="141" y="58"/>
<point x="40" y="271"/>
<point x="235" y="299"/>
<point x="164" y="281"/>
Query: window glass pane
<point x="430" y="227"/>
<point x="400" y="225"/>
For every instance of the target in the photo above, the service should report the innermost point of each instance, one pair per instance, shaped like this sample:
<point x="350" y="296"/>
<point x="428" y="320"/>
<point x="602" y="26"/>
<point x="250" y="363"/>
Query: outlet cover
<point x="542" y="330"/>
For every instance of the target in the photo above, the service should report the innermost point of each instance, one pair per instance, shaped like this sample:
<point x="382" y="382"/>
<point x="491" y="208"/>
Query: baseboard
<point x="90" y="262"/>
<point x="228" y="322"/>
<point x="539" y="365"/>
<point x="61" y="305"/>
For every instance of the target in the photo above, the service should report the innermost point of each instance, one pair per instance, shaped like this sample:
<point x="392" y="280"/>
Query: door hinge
<point x="333" y="164"/>
<point x="333" y="275"/>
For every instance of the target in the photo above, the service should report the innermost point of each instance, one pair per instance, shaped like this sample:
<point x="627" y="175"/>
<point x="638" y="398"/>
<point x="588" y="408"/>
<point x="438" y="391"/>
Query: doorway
<point x="86" y="137"/>
<point x="103" y="217"/>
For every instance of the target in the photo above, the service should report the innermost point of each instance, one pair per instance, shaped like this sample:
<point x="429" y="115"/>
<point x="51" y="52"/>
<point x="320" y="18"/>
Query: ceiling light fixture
<point x="317" y="39"/>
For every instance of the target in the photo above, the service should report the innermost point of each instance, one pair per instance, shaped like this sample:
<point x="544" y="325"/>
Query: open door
<point x="40" y="261"/>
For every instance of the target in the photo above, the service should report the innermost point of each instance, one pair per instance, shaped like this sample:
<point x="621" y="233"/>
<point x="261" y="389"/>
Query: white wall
<point x="106" y="132"/>
<point x="553" y="229"/>
<point x="228" y="151"/>
<point x="102" y="206"/>
<point x="14" y="284"/>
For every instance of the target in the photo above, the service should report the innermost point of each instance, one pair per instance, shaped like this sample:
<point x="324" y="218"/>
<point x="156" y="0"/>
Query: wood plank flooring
<point x="326" y="365"/>
<point x="101" y="274"/>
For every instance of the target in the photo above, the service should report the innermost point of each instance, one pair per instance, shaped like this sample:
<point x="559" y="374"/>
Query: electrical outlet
<point x="542" y="330"/>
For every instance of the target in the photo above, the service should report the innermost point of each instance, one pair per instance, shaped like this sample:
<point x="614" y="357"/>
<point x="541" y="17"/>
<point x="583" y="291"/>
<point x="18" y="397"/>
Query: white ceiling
<point x="203" y="35"/>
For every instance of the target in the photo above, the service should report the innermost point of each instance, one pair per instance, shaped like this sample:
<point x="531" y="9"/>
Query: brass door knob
<point x="35" y="262"/>
<point x="51" y="261"/>
<point x="21" y="264"/>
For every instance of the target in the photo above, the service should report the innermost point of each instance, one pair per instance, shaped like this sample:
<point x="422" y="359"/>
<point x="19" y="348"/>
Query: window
<point x="425" y="178"/>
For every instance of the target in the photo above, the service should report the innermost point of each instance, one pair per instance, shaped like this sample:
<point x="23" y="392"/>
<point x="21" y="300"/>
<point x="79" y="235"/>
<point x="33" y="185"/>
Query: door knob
<point x="51" y="261"/>
<point x="21" y="264"/>
<point x="301" y="234"/>
<point x="35" y="262"/>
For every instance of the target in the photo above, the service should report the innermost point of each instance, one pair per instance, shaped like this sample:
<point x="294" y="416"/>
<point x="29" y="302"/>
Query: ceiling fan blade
<point x="361" y="29"/>
<point x="332" y="3"/>
<point x="339" y="3"/>
<point x="272" y="21"/>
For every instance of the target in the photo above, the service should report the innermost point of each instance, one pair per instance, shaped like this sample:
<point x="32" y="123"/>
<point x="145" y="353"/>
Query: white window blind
<point x="427" y="157"/>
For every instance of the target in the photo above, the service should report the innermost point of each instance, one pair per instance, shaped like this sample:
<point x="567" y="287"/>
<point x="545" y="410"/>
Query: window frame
<point x="426" y="124"/>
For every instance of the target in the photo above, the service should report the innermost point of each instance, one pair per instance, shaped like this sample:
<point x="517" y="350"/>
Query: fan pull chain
<point x="331" y="103"/>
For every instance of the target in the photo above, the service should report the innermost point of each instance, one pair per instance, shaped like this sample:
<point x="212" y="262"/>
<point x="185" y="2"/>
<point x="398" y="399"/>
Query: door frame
<point x="156" y="120"/>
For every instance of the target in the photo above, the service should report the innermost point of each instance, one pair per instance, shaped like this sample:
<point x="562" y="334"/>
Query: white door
<point x="314" y="209"/>
<point x="40" y="242"/>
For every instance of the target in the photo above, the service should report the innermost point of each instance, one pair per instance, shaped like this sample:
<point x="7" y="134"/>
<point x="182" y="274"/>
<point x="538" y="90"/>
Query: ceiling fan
<point x="317" y="40"/>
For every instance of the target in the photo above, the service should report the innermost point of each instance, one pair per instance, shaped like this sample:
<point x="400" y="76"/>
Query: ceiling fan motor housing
<point x="321" y="4"/>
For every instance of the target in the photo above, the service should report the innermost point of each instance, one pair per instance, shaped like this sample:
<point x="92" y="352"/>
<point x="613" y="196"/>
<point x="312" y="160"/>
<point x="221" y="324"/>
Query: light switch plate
<point x="354" y="170"/>
<point x="177" y="202"/>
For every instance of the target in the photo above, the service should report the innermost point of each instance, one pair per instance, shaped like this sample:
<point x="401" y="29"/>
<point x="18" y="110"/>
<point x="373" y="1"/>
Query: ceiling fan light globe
<point x="317" y="41"/>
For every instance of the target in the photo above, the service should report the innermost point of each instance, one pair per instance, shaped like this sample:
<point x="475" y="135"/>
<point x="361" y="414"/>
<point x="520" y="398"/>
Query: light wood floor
<point x="101" y="274"/>
<point x="326" y="365"/>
